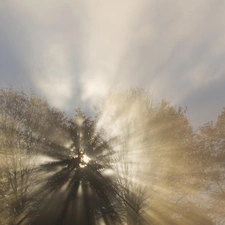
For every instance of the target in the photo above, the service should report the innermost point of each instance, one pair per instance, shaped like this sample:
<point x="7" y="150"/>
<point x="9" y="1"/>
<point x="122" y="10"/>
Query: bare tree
<point x="28" y="126"/>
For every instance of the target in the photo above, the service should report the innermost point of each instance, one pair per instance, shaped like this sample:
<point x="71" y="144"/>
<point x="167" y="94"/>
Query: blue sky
<point x="73" y="52"/>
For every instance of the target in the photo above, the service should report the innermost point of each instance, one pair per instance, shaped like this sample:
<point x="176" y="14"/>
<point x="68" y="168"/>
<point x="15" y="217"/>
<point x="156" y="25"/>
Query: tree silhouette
<point x="24" y="126"/>
<point x="137" y="162"/>
<point x="33" y="191"/>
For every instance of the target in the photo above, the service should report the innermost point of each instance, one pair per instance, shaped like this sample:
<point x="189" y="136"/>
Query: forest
<point x="137" y="161"/>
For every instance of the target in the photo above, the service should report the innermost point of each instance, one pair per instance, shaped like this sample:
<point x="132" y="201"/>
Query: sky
<point x="73" y="52"/>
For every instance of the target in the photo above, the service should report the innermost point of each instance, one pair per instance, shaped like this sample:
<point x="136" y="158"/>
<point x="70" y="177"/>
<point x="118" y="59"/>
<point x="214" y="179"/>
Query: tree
<point x="151" y="160"/>
<point x="145" y="165"/>
<point x="25" y="123"/>
<point x="211" y="148"/>
<point x="16" y="165"/>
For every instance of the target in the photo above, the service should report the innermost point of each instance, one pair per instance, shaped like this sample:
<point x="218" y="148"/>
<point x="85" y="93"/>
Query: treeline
<point x="147" y="164"/>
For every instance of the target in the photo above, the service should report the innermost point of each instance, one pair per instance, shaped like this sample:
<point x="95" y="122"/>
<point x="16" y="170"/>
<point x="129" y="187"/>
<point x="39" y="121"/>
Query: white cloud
<point x="81" y="49"/>
<point x="54" y="78"/>
<point x="52" y="46"/>
<point x="109" y="28"/>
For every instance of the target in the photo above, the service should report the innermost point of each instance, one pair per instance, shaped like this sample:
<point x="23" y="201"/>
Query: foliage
<point x="146" y="165"/>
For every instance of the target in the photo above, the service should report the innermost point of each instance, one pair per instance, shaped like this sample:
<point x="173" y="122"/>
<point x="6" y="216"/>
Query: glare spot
<point x="86" y="159"/>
